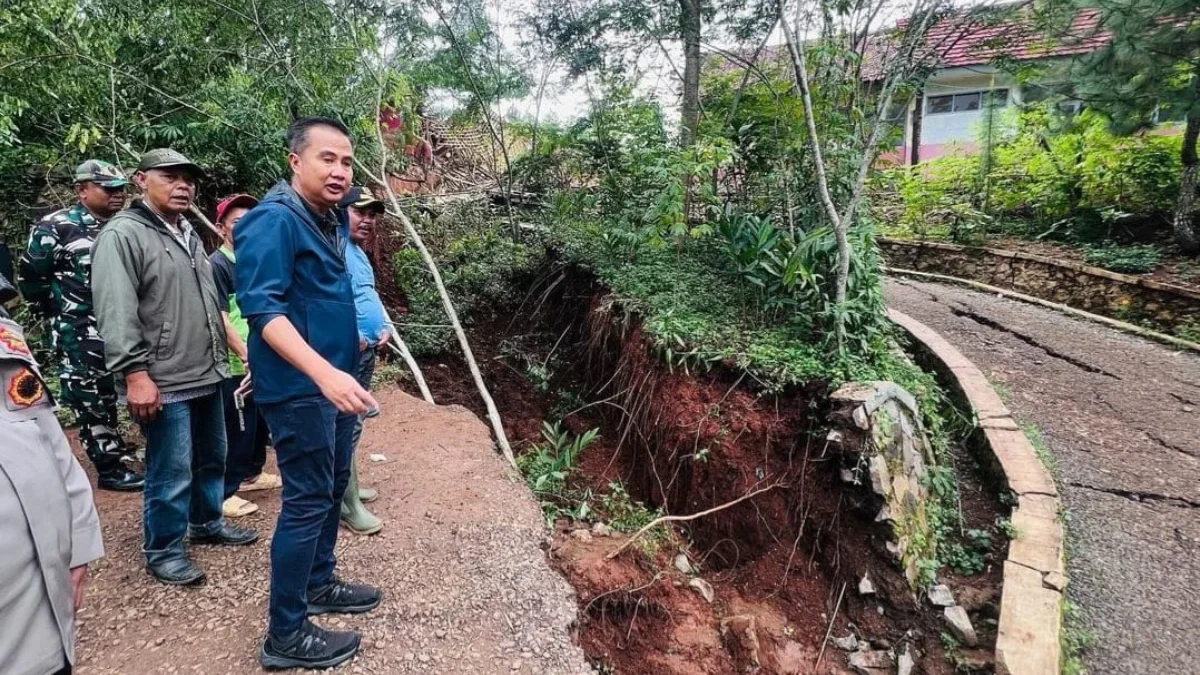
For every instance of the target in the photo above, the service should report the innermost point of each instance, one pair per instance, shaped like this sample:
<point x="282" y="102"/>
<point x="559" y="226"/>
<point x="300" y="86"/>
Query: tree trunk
<point x="689" y="30"/>
<point x="1185" y="229"/>
<point x="918" y="116"/>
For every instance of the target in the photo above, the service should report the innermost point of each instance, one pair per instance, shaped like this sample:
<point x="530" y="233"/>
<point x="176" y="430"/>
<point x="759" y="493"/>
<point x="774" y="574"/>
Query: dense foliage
<point x="1144" y="70"/>
<point x="1057" y="177"/>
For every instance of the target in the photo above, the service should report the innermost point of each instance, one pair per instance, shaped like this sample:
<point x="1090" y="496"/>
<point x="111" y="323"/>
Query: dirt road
<point x="467" y="586"/>
<point x="1121" y="417"/>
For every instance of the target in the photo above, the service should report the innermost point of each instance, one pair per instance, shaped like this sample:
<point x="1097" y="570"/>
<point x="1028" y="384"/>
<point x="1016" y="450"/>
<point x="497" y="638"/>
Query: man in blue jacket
<point x="294" y="287"/>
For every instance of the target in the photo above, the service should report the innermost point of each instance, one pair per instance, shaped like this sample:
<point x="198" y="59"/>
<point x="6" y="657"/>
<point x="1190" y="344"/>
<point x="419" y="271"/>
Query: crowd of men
<point x="268" y="341"/>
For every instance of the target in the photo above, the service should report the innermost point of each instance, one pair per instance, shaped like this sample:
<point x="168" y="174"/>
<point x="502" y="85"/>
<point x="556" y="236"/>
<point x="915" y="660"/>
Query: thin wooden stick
<point x="415" y="238"/>
<point x="398" y="346"/>
<point x="829" y="631"/>
<point x="664" y="519"/>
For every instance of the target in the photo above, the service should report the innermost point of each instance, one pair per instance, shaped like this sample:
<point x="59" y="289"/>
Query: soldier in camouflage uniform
<point x="56" y="280"/>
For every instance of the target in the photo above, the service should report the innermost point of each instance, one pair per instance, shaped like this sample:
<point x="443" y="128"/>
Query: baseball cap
<point x="101" y="173"/>
<point x="361" y="197"/>
<point x="162" y="158"/>
<point x="244" y="201"/>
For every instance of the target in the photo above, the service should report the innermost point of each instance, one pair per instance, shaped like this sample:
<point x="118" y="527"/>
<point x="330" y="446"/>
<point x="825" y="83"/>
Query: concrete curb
<point x="1027" y="642"/>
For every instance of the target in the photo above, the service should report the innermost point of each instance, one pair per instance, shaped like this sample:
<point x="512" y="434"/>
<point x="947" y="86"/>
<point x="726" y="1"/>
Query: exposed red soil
<point x="687" y="443"/>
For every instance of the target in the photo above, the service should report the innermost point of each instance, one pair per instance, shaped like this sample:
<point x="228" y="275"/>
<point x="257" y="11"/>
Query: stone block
<point x="1039" y="541"/>
<point x="881" y="477"/>
<point x="1023" y="471"/>
<point x="1028" y="639"/>
<point x="960" y="625"/>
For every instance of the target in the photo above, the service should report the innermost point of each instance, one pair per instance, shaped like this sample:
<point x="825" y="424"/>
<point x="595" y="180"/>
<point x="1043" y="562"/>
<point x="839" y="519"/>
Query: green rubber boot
<point x="355" y="516"/>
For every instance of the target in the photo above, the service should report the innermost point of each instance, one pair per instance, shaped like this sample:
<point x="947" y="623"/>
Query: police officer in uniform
<point x="56" y="280"/>
<point x="49" y="531"/>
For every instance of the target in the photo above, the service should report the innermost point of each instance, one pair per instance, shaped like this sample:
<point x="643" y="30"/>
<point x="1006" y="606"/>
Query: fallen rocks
<point x="960" y="625"/>
<point x="940" y="595"/>
<point x="866" y="586"/>
<point x="684" y="565"/>
<point x="846" y="644"/>
<point x="876" y="662"/>
<point x="702" y="587"/>
<point x="905" y="663"/>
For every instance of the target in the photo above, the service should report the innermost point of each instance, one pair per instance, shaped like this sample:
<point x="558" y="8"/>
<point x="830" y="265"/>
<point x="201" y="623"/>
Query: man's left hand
<point x="79" y="578"/>
<point x="383" y="339"/>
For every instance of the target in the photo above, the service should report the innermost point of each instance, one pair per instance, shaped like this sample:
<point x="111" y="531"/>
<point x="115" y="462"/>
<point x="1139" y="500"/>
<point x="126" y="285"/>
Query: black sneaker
<point x="344" y="598"/>
<point x="226" y="535"/>
<point x="177" y="572"/>
<point x="309" y="647"/>
<point x="121" y="480"/>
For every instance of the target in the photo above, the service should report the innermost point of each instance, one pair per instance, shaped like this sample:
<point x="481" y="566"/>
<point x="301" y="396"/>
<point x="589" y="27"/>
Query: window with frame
<point x="965" y="102"/>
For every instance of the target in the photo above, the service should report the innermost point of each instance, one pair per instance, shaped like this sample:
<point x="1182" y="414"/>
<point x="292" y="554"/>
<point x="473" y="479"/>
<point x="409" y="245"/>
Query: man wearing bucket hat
<point x="164" y="341"/>
<point x="56" y="280"/>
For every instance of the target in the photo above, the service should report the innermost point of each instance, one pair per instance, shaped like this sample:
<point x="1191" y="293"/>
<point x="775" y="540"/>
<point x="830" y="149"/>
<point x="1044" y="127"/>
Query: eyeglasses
<point x="113" y="190"/>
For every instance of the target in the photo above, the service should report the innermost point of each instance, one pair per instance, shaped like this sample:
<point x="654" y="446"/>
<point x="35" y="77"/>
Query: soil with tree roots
<point x="777" y="564"/>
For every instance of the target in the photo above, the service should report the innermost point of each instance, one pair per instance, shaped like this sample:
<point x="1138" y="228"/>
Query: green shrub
<point x="482" y="266"/>
<point x="1064" y="178"/>
<point x="1133" y="259"/>
<point x="548" y="465"/>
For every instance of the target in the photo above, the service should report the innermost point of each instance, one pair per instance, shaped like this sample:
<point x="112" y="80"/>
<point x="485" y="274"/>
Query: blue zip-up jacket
<point x="286" y="266"/>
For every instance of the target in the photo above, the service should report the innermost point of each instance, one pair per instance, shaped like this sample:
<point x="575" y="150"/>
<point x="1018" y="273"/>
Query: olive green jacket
<point x="156" y="304"/>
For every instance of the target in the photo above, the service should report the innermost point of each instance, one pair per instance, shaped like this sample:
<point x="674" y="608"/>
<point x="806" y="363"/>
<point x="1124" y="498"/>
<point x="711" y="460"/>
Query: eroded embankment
<point x="781" y="566"/>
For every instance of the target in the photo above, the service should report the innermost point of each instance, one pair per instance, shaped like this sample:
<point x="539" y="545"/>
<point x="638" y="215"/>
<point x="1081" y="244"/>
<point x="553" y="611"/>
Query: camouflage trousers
<point x="88" y="390"/>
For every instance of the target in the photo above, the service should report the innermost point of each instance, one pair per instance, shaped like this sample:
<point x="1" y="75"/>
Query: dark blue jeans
<point x="185" y="475"/>
<point x="313" y="446"/>
<point x="247" y="447"/>
<point x="366" y="371"/>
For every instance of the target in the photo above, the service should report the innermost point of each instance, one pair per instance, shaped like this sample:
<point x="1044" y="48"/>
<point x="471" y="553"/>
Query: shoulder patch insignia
<point x="25" y="389"/>
<point x="12" y="342"/>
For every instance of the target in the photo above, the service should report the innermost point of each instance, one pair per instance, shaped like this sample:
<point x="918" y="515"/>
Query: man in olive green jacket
<point x="164" y="342"/>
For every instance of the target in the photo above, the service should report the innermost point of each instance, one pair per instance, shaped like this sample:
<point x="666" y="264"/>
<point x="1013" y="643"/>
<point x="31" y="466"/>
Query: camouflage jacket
<point x="55" y="272"/>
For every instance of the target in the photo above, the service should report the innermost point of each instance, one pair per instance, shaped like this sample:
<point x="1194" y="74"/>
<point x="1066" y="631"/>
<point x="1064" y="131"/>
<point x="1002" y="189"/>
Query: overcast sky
<point x="565" y="101"/>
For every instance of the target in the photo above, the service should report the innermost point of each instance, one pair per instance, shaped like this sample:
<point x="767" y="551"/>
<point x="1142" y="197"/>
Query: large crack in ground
<point x="1141" y="496"/>
<point x="1169" y="446"/>
<point x="1031" y="341"/>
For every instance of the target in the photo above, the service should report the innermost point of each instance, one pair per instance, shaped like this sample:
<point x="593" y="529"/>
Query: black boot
<point x="120" y="480"/>
<point x="226" y="535"/>
<point x="309" y="647"/>
<point x="177" y="572"/>
<point x="339" y="596"/>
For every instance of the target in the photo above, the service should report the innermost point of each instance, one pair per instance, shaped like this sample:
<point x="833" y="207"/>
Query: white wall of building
<point x="960" y="90"/>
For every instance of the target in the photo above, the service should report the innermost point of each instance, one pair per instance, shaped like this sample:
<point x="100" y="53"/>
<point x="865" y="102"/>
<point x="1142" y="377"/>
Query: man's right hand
<point x="143" y="397"/>
<point x="345" y="393"/>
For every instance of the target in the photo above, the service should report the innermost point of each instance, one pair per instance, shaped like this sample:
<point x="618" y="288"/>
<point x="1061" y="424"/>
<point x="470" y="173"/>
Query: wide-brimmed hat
<point x="242" y="200"/>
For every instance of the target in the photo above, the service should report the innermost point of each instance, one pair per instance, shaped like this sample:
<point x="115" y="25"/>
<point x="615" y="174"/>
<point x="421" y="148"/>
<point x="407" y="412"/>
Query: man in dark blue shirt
<point x="294" y="287"/>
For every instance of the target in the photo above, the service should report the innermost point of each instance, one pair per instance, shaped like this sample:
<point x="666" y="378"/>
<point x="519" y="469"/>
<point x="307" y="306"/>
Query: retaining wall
<point x="1119" y="296"/>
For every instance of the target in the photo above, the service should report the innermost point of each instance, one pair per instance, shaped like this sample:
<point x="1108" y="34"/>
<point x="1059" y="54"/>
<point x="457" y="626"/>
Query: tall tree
<point x="1146" y="69"/>
<point x="689" y="31"/>
<point x="862" y="68"/>
<point x="611" y="36"/>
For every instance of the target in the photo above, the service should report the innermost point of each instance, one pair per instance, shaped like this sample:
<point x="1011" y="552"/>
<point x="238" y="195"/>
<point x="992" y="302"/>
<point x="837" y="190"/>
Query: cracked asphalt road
<point x="1121" y="416"/>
